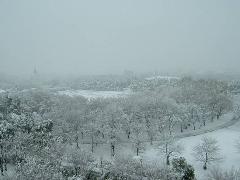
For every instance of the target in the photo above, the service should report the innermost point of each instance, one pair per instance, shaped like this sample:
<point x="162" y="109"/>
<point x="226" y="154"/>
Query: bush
<point x="135" y="168"/>
<point x="184" y="170"/>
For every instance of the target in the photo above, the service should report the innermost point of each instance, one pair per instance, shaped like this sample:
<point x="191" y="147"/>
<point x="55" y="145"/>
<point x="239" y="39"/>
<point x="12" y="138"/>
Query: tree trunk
<point x="1" y="165"/>
<point x="205" y="163"/>
<point x="169" y="129"/>
<point x="76" y="139"/>
<point x="205" y="166"/>
<point x="137" y="151"/>
<point x="112" y="150"/>
<point x="76" y="171"/>
<point x="212" y="118"/>
<point x="92" y="144"/>
<point x="219" y="113"/>
<point x="168" y="161"/>
<point x="5" y="164"/>
<point x="128" y="135"/>
<point x="151" y="141"/>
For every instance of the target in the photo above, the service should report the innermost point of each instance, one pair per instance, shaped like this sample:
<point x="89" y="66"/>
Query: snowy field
<point x="2" y="91"/>
<point x="226" y="138"/>
<point x="168" y="78"/>
<point x="91" y="94"/>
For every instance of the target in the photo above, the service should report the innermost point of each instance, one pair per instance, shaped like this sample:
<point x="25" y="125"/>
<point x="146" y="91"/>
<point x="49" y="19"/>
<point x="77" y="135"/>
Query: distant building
<point x="35" y="77"/>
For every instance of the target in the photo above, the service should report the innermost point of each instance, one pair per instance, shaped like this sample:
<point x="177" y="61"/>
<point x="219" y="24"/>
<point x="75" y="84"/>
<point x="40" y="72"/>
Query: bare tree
<point x="207" y="151"/>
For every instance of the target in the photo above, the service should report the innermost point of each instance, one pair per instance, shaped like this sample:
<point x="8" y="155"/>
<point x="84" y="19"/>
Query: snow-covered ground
<point x="226" y="138"/>
<point x="2" y="91"/>
<point x="168" y="78"/>
<point x="90" y="94"/>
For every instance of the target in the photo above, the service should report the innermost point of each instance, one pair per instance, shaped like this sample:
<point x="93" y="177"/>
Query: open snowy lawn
<point x="226" y="138"/>
<point x="163" y="78"/>
<point x="90" y="94"/>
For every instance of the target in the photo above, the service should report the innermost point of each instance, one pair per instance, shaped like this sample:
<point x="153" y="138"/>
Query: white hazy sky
<point x="109" y="36"/>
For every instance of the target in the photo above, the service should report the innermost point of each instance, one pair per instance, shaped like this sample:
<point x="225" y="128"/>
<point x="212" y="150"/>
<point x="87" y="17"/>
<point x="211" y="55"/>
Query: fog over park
<point x="103" y="37"/>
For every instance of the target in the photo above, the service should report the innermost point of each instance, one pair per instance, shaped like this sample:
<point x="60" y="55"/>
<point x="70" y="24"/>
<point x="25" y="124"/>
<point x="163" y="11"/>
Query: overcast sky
<point x="109" y="36"/>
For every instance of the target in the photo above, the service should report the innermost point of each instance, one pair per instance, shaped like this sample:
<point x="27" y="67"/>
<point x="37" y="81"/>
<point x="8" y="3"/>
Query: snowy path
<point x="227" y="121"/>
<point x="226" y="124"/>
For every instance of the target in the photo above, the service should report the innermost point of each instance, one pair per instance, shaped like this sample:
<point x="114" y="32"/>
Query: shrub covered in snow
<point x="181" y="167"/>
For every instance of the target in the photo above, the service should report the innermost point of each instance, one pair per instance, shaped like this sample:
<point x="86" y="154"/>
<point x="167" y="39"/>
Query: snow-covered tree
<point x="148" y="108"/>
<point x="224" y="105"/>
<point x="79" y="161"/>
<point x="126" y="125"/>
<point x="38" y="163"/>
<point x="36" y="168"/>
<point x="193" y="114"/>
<point x="169" y="147"/>
<point x="170" y="112"/>
<point x="207" y="151"/>
<point x="134" y="168"/>
<point x="76" y="121"/>
<point x="183" y="169"/>
<point x="113" y="115"/>
<point x="236" y="111"/>
<point x="138" y="130"/>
